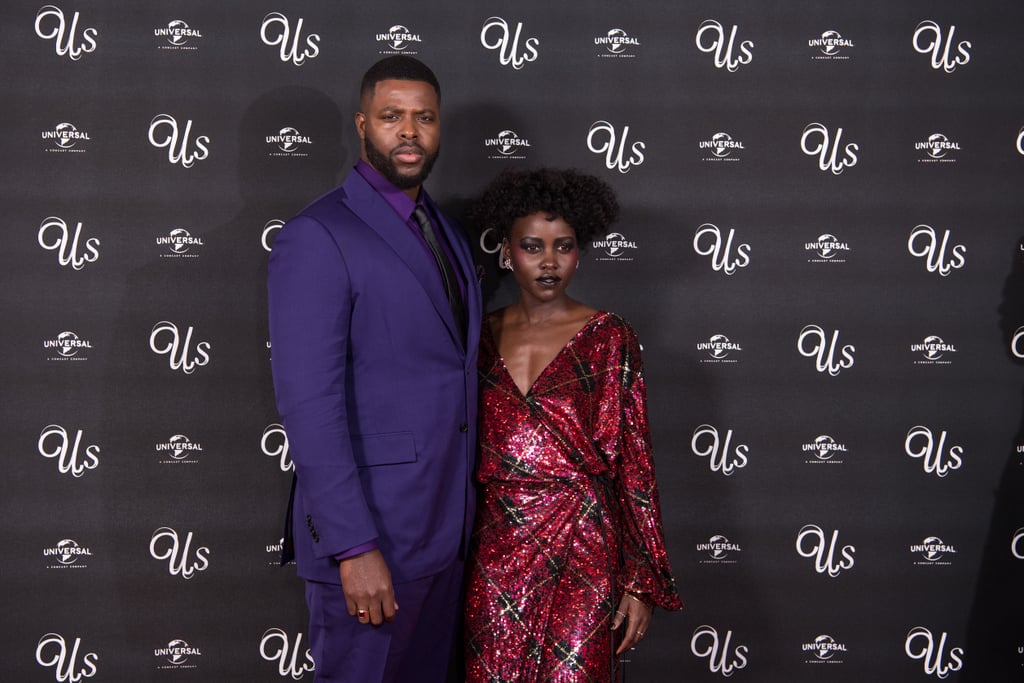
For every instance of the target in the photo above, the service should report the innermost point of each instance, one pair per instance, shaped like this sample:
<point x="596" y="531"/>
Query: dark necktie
<point x="451" y="282"/>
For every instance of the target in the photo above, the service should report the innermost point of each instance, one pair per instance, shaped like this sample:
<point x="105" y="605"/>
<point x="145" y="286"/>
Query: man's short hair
<point x="400" y="68"/>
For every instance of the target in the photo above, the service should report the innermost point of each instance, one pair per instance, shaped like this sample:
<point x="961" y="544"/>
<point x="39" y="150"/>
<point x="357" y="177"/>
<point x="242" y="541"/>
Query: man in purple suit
<point x="374" y="323"/>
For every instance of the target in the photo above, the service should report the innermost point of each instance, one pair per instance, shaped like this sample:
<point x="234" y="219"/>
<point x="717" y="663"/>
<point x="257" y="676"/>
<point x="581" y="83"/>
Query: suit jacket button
<point x="463" y="427"/>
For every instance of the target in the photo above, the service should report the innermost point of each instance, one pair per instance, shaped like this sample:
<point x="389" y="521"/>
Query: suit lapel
<point x="378" y="215"/>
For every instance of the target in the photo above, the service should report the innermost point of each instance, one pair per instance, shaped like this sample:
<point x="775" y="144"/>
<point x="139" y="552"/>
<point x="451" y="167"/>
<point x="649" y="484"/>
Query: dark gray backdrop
<point x="806" y="187"/>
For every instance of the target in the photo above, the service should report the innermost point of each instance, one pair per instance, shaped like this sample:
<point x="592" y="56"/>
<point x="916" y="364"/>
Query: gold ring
<point x="620" y="612"/>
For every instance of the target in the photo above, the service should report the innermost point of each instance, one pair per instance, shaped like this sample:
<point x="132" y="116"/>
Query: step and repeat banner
<point x="820" y="247"/>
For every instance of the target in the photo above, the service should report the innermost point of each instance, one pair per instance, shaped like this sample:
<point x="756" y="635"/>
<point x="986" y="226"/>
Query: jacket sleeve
<point x="310" y="305"/>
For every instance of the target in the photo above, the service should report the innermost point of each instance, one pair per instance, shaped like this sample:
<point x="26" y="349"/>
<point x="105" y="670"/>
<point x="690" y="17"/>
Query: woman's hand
<point x="637" y="615"/>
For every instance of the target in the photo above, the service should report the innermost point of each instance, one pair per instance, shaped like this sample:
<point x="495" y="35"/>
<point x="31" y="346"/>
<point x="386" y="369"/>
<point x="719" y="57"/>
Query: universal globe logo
<point x="718" y="347"/>
<point x="829" y="45"/>
<point x="824" y="648"/>
<point x="936" y="147"/>
<point x="616" y="247"/>
<point x="67" y="552"/>
<point x="722" y="146"/>
<point x="68" y="345"/>
<point x="290" y="143"/>
<point x="617" y="43"/>
<point x="177" y="653"/>
<point x="932" y="349"/>
<point x="65" y="136"/>
<point x="932" y="549"/>
<point x="178" y="242"/>
<point x="827" y="247"/>
<point x="179" y="447"/>
<point x="508" y="144"/>
<point x="825" y="449"/>
<point x="177" y="33"/>
<point x="398" y="38"/>
<point x="718" y="548"/>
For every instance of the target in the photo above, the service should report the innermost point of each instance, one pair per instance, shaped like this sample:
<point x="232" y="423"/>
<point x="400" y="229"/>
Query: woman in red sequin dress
<point x="568" y="557"/>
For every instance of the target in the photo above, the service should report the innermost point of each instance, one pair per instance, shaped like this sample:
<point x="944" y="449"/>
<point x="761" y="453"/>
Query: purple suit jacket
<point x="377" y="393"/>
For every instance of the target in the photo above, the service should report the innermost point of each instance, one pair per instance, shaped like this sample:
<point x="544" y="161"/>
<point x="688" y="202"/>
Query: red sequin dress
<point x="569" y="518"/>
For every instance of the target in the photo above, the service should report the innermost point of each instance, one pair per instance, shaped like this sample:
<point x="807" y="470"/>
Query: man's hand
<point x="366" y="581"/>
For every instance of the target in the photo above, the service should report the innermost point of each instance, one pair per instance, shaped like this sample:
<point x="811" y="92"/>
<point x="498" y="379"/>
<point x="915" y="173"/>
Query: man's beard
<point x="387" y="168"/>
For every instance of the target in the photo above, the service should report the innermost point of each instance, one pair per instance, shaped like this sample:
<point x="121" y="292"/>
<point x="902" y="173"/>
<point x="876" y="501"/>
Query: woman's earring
<point x="507" y="263"/>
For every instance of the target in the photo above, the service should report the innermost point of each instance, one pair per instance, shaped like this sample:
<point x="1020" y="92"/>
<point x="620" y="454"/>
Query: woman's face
<point x="544" y="255"/>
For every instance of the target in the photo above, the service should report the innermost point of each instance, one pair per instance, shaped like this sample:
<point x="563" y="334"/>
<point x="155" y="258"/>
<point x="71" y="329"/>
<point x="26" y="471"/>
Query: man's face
<point x="400" y="126"/>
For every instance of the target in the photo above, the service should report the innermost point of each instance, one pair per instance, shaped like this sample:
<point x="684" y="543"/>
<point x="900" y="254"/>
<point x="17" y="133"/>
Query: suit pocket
<point x="392" y="448"/>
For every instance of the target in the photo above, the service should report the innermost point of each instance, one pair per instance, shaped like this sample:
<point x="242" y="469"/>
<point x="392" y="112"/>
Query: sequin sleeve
<point x="624" y="436"/>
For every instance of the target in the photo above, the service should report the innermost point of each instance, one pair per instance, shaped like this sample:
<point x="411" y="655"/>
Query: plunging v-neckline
<point x="529" y="392"/>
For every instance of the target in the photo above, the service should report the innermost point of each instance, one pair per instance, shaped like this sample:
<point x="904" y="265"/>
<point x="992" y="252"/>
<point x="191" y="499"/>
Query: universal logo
<point x="932" y="550"/>
<point x="166" y="339"/>
<point x="718" y="347"/>
<point x="177" y="35"/>
<point x="182" y="561"/>
<point x="398" y="39"/>
<point x="51" y="24"/>
<point x="276" y="31"/>
<point x="287" y="652"/>
<point x="718" y="548"/>
<point x="941" y="45"/>
<point x="935" y="457"/>
<point x="827" y="248"/>
<point x="828" y="557"/>
<point x="164" y="132"/>
<point x="709" y="241"/>
<point x="818" y="140"/>
<point x="617" y="43"/>
<point x="180" y="244"/>
<point x="722" y="657"/>
<point x="825" y="449"/>
<point x="55" y="442"/>
<point x="66" y="138"/>
<point x="937" y="148"/>
<point x="289" y="142"/>
<point x="824" y="648"/>
<point x="68" y="346"/>
<point x="920" y="645"/>
<point x="180" y="449"/>
<point x="933" y="349"/>
<point x="829" y="357"/>
<point x="940" y="256"/>
<point x="274" y="444"/>
<point x="508" y="145"/>
<point x="829" y="45"/>
<point x="728" y="54"/>
<point x="68" y="555"/>
<point x="722" y="148"/>
<point x="616" y="247"/>
<point x="722" y="457"/>
<point x="53" y="650"/>
<point x="496" y="34"/>
<point x="72" y="250"/>
<point x="274" y="551"/>
<point x="269" y="233"/>
<point x="619" y="154"/>
<point x="176" y="654"/>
